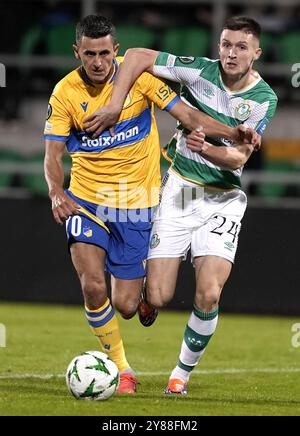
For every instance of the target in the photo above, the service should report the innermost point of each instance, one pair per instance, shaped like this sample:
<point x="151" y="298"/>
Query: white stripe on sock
<point x="188" y="357"/>
<point x="202" y="327"/>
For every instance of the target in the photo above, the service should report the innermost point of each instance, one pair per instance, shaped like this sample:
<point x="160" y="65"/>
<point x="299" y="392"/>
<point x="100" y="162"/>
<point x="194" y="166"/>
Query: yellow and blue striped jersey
<point x="121" y="171"/>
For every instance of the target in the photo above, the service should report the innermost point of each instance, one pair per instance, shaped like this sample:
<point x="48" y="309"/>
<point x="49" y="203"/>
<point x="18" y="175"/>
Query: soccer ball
<point x="92" y="376"/>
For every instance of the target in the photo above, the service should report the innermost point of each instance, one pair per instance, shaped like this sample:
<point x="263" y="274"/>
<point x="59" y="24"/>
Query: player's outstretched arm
<point x="192" y="118"/>
<point x="135" y="62"/>
<point x="231" y="158"/>
<point x="62" y="205"/>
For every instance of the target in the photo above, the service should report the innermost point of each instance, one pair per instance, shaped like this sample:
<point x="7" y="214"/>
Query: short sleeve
<point x="59" y="120"/>
<point x="157" y="91"/>
<point x="262" y="115"/>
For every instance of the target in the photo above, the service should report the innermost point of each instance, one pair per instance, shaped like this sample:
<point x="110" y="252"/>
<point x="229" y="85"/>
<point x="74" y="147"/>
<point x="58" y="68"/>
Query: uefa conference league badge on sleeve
<point x="186" y="59"/>
<point x="48" y="126"/>
<point x="49" y="111"/>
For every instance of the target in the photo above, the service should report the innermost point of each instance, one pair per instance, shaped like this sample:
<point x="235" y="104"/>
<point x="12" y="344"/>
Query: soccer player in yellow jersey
<point x="115" y="180"/>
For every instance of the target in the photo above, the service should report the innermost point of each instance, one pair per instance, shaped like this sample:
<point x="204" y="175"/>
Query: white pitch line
<point x="231" y="371"/>
<point x="28" y="376"/>
<point x="219" y="371"/>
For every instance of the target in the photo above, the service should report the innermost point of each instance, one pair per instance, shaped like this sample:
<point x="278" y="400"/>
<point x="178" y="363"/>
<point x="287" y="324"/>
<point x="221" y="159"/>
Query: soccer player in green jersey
<point x="204" y="175"/>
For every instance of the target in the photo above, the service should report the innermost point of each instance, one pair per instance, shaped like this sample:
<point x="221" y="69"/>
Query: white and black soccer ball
<point x="92" y="376"/>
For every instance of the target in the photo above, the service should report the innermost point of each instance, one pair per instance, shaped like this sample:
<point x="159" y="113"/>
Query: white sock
<point x="199" y="330"/>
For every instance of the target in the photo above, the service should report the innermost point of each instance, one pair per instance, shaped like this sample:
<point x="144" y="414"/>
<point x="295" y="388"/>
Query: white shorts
<point x="191" y="216"/>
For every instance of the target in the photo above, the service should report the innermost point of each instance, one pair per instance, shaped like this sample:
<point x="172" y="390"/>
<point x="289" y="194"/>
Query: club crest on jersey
<point x="155" y="240"/>
<point x="88" y="232"/>
<point x="243" y="111"/>
<point x="186" y="59"/>
<point x="84" y="105"/>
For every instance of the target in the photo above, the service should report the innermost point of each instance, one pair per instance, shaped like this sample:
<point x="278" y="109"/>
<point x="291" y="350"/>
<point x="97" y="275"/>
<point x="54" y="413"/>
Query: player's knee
<point x="127" y="308"/>
<point x="208" y="300"/>
<point x="157" y="297"/>
<point x="92" y="286"/>
<point x="126" y="313"/>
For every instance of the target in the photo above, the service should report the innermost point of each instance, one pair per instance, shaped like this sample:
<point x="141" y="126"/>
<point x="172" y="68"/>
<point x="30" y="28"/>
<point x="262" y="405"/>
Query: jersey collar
<point x="115" y="71"/>
<point x="85" y="77"/>
<point x="240" y="91"/>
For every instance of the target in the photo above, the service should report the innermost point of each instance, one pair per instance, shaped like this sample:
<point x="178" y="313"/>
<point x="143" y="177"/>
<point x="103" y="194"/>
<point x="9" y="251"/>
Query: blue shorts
<point x="123" y="233"/>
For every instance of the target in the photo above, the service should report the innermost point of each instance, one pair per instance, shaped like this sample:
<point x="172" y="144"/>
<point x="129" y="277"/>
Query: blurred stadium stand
<point x="130" y="34"/>
<point x="40" y="53"/>
<point x="181" y="40"/>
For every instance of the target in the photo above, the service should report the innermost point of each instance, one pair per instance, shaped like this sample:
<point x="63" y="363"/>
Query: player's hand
<point x="245" y="135"/>
<point x="63" y="206"/>
<point x="102" y="119"/>
<point x="195" y="140"/>
<point x="255" y="140"/>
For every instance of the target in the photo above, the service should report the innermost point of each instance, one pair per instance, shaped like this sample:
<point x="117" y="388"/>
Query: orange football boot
<point x="176" y="386"/>
<point x="127" y="384"/>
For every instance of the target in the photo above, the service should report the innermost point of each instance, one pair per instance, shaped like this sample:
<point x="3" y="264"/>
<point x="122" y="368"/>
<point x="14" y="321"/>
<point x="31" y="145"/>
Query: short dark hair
<point x="246" y="24"/>
<point x="95" y="26"/>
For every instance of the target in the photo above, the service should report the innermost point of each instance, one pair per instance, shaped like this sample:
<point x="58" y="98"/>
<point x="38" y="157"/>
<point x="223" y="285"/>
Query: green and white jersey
<point x="202" y="87"/>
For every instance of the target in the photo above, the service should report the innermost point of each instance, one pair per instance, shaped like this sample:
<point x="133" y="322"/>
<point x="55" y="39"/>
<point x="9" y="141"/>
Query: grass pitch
<point x="251" y="367"/>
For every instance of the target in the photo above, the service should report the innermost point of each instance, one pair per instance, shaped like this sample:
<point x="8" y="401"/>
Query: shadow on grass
<point x="34" y="388"/>
<point x="157" y="399"/>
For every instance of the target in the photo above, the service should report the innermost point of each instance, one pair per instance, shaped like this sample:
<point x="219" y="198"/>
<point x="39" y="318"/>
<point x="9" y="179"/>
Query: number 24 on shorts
<point x="226" y="226"/>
